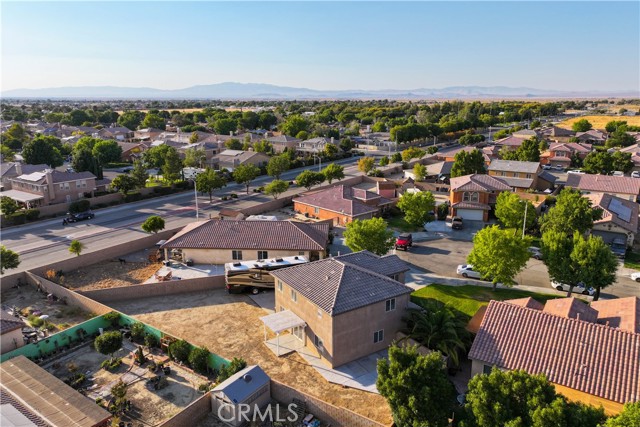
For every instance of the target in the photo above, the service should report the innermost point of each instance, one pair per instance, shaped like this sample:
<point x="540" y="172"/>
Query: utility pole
<point x="195" y="193"/>
<point x="524" y="224"/>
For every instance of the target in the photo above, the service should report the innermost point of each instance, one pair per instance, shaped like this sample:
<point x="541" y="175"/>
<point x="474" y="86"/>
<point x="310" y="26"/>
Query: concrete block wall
<point x="327" y="412"/>
<point x="192" y="414"/>
<point x="149" y="290"/>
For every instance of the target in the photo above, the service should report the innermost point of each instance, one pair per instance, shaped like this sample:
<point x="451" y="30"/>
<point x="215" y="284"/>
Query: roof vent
<point x="326" y="278"/>
<point x="247" y="378"/>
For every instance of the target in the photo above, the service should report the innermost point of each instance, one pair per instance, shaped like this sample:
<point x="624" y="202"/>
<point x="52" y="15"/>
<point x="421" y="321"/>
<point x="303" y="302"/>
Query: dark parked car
<point x="456" y="223"/>
<point x="404" y="241"/>
<point x="80" y="216"/>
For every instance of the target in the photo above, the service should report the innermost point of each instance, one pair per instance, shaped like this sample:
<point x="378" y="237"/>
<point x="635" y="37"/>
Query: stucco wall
<point x="222" y="256"/>
<point x="190" y="415"/>
<point x="11" y="340"/>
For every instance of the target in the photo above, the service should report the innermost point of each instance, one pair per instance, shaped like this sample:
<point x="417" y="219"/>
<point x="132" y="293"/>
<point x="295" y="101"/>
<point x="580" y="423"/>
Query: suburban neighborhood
<point x="333" y="249"/>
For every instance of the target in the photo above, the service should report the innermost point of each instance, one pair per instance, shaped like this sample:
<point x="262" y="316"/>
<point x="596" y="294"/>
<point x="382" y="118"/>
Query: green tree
<point x="333" y="171"/>
<point x="529" y="151"/>
<point x="153" y="224"/>
<point x="6" y="153"/>
<point x="620" y="138"/>
<point x="15" y="137"/>
<point x="199" y="359"/>
<point x="43" y="150"/>
<point x="437" y="327"/>
<point x="629" y="417"/>
<point x="412" y="153"/>
<point x="172" y="167"/>
<point x="419" y="171"/>
<point x="76" y="247"/>
<point x="152" y="121"/>
<point x="194" y="157"/>
<point x="581" y="125"/>
<point x="384" y="161"/>
<point x="294" y="124"/>
<point x="224" y="126"/>
<point x="233" y="144"/>
<point x="346" y="145"/>
<point x="498" y="255"/>
<point x="139" y="174"/>
<point x="516" y="398"/>
<point x="330" y="150"/>
<point x="613" y="125"/>
<point x="8" y="259"/>
<point x="107" y="151"/>
<point x="366" y="164"/>
<point x="278" y="165"/>
<point x="396" y="157"/>
<point x="244" y="174"/>
<point x="416" y="387"/>
<point x="209" y="181"/>
<point x="124" y="183"/>
<point x="622" y="161"/>
<point x="308" y="179"/>
<point x="598" y="162"/>
<point x="249" y="120"/>
<point x="180" y="350"/>
<point x="303" y="135"/>
<point x="417" y="207"/>
<point x="369" y="234"/>
<point x="572" y="212"/>
<point x="84" y="161"/>
<point x="263" y="147"/>
<point x="510" y="210"/>
<point x="131" y="119"/>
<point x="154" y="157"/>
<point x="276" y="187"/>
<point x="108" y="343"/>
<point x="8" y="206"/>
<point x="432" y="149"/>
<point x="467" y="163"/>
<point x="194" y="137"/>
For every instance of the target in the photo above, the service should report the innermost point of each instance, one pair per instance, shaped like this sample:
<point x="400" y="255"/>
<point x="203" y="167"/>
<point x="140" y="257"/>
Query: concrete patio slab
<point x="182" y="271"/>
<point x="288" y="344"/>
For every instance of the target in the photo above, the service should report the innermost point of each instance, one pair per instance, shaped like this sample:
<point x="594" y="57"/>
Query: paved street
<point x="441" y="256"/>
<point x="47" y="241"/>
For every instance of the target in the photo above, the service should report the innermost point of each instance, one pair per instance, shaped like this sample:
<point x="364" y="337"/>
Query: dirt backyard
<point x="110" y="274"/>
<point x="229" y="326"/>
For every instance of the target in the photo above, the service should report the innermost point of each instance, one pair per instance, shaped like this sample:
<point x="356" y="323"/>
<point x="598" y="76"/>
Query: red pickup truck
<point x="404" y="241"/>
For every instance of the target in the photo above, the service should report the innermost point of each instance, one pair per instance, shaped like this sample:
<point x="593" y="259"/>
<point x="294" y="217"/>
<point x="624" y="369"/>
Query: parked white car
<point x="617" y="173"/>
<point x="546" y="167"/>
<point x="576" y="172"/>
<point x="635" y="276"/>
<point x="635" y="174"/>
<point x="466" y="270"/>
<point x="580" y="289"/>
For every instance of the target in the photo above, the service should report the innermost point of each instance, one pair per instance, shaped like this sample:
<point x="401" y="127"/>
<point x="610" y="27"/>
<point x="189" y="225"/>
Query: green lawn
<point x="632" y="260"/>
<point x="398" y="223"/>
<point x="468" y="299"/>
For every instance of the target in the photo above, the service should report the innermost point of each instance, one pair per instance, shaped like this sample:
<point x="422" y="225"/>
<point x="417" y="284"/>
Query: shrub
<point x="137" y="332"/>
<point x="32" y="214"/>
<point x="442" y="211"/>
<point x="16" y="218"/>
<point x="111" y="364"/>
<point x="132" y="197"/>
<point x="113" y="317"/>
<point x="226" y="371"/>
<point x="198" y="359"/>
<point x="35" y="321"/>
<point x="108" y="343"/>
<point x="180" y="350"/>
<point x="233" y="195"/>
<point x="151" y="341"/>
<point x="79" y="206"/>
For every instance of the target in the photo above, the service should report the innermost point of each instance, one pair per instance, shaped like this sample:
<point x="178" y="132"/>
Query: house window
<point x="236" y="255"/>
<point x="301" y="253"/>
<point x="317" y="341"/>
<point x="378" y="336"/>
<point x="316" y="211"/>
<point x="470" y="196"/>
<point x="294" y="296"/>
<point x="528" y="176"/>
<point x="263" y="255"/>
<point x="280" y="285"/>
<point x="395" y="276"/>
<point x="83" y="184"/>
<point x="503" y="173"/>
<point x="390" y="304"/>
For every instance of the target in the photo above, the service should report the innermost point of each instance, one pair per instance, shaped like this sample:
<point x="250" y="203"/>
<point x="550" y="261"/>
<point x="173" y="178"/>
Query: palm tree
<point x="437" y="328"/>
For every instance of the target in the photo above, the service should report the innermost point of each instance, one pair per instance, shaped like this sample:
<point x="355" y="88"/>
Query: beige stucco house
<point x="10" y="332"/>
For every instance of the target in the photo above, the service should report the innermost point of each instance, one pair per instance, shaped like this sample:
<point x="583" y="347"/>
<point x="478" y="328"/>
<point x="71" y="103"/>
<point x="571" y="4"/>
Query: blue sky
<point x="328" y="45"/>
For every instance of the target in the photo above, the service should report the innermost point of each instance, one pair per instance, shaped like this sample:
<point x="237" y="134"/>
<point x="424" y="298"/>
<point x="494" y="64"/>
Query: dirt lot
<point x="28" y="300"/>
<point x="229" y="326"/>
<point x="147" y="405"/>
<point x="110" y="274"/>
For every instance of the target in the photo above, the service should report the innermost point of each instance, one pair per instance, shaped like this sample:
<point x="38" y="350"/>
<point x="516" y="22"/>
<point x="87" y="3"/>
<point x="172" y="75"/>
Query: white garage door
<point x="471" y="214"/>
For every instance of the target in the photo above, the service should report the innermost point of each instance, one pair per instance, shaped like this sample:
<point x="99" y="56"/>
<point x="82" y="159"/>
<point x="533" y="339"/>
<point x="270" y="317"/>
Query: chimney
<point x="50" y="186"/>
<point x="332" y="140"/>
<point x="18" y="168"/>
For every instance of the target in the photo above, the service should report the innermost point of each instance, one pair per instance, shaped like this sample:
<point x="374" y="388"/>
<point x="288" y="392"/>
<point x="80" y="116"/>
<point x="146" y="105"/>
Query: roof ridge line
<point x="295" y="224"/>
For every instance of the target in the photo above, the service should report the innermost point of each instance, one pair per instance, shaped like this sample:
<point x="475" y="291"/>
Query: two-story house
<point x="560" y="154"/>
<point x="10" y="170"/>
<point x="473" y="196"/>
<point x="50" y="187"/>
<point x="592" y="136"/>
<point x="282" y="142"/>
<point x="343" y="308"/>
<point x="522" y="176"/>
<point x="624" y="187"/>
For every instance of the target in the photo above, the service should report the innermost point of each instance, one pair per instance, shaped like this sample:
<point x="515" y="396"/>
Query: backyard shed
<point x="250" y="386"/>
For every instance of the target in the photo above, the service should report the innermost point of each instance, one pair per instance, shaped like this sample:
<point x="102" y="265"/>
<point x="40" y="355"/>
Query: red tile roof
<point x="527" y="302"/>
<point x="622" y="313"/>
<point x="604" y="183"/>
<point x="478" y="182"/>
<point x="571" y="308"/>
<point x="343" y="200"/>
<point x="9" y="323"/>
<point x="228" y="234"/>
<point x="588" y="357"/>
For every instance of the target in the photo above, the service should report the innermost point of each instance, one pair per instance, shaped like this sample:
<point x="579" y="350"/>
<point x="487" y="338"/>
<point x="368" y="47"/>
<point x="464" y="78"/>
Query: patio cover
<point x="281" y="321"/>
<point x="21" y="196"/>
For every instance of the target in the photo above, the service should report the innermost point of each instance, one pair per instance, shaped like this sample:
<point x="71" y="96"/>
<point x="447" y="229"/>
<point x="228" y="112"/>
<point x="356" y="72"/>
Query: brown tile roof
<point x="337" y="285"/>
<point x="387" y="265"/>
<point x="471" y="205"/>
<point x="621" y="212"/>
<point x="527" y="302"/>
<point x="47" y="396"/>
<point x="478" y="182"/>
<point x="9" y="323"/>
<point x="584" y="356"/>
<point x="228" y="234"/>
<point x="8" y="399"/>
<point x="514" y="166"/>
<point x="571" y="308"/>
<point x="343" y="200"/>
<point x="604" y="183"/>
<point x="580" y="147"/>
<point x="622" y="313"/>
<point x="558" y="131"/>
<point x="511" y="141"/>
<point x="517" y="182"/>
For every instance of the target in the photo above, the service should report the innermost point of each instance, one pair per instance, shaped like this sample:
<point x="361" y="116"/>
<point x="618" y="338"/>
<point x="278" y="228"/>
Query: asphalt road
<point x="44" y="242"/>
<point x="441" y="256"/>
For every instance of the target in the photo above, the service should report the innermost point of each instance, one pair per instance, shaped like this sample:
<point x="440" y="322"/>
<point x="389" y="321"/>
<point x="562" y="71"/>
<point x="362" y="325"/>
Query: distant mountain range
<point x="261" y="91"/>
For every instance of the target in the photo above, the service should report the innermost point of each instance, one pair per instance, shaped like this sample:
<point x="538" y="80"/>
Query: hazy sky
<point x="329" y="45"/>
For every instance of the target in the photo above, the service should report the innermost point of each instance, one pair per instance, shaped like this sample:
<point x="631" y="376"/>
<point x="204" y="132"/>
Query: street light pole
<point x="195" y="193"/>
<point x="524" y="224"/>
